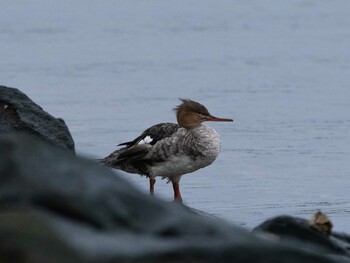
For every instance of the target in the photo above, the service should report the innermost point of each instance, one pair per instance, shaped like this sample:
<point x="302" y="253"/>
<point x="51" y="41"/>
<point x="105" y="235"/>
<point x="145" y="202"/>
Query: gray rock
<point x="25" y="237"/>
<point x="93" y="215"/>
<point x="19" y="113"/>
<point x="288" y="228"/>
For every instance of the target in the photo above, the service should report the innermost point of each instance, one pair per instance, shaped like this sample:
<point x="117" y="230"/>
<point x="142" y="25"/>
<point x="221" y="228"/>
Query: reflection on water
<point x="279" y="69"/>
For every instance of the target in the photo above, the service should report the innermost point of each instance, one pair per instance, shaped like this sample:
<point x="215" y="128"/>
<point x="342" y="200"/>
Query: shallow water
<point x="279" y="68"/>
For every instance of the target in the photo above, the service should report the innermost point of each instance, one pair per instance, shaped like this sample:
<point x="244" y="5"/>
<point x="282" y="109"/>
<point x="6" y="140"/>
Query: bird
<point x="170" y="150"/>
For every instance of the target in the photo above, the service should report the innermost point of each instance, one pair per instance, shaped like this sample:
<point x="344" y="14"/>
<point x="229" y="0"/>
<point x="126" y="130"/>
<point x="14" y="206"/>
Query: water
<point x="279" y="68"/>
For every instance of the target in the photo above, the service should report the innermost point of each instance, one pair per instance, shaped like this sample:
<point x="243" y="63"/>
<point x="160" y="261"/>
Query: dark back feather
<point x="156" y="133"/>
<point x="131" y="157"/>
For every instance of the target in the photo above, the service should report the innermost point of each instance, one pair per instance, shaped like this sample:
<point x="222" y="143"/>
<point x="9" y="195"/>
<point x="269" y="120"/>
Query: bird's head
<point x="190" y="114"/>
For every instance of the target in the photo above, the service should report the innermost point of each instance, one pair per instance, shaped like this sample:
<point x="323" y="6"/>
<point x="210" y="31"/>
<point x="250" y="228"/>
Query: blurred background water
<point x="281" y="69"/>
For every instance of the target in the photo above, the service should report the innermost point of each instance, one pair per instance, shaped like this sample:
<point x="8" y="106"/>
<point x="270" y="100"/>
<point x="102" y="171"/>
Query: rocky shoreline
<point x="59" y="207"/>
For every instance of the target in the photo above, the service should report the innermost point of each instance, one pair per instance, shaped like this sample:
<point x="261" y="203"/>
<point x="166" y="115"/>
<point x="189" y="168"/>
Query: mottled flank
<point x="184" y="151"/>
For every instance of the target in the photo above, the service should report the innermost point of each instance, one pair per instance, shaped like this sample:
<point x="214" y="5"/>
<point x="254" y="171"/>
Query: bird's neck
<point x="188" y="120"/>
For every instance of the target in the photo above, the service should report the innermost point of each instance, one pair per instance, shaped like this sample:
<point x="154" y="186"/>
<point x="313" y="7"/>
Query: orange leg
<point x="177" y="194"/>
<point x="152" y="181"/>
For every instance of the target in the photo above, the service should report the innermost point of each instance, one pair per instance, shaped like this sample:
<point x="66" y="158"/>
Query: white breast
<point x="209" y="142"/>
<point x="186" y="151"/>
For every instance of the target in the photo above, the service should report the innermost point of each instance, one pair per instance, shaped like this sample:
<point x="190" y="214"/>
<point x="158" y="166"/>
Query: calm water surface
<point x="281" y="69"/>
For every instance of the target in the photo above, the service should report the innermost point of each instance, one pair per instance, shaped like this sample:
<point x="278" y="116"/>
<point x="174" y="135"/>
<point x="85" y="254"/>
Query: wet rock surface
<point x="20" y="113"/>
<point x="89" y="214"/>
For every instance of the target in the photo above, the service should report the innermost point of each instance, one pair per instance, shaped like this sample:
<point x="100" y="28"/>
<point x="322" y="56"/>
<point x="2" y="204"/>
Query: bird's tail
<point x="111" y="160"/>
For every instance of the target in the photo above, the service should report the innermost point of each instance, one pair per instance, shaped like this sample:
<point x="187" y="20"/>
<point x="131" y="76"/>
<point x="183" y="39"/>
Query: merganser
<point x="173" y="149"/>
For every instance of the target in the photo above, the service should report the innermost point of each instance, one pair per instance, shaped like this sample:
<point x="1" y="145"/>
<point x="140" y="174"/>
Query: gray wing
<point x="156" y="133"/>
<point x="126" y="155"/>
<point x="131" y="158"/>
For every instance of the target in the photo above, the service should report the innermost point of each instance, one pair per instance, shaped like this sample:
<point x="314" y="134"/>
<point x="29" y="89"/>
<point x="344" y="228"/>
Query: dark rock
<point x="19" y="113"/>
<point x="25" y="237"/>
<point x="287" y="228"/>
<point x="90" y="213"/>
